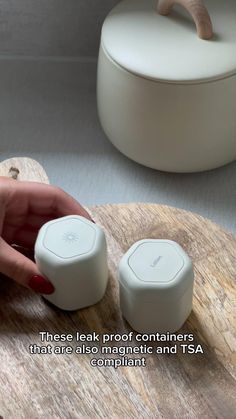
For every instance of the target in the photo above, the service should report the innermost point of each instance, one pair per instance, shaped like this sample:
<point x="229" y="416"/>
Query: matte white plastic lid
<point x="167" y="48"/>
<point x="156" y="261"/>
<point x="69" y="237"/>
<point x="156" y="269"/>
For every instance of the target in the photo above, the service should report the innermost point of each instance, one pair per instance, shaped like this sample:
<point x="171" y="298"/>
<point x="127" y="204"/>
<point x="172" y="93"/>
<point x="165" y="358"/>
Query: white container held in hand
<point x="71" y="252"/>
<point x="166" y="90"/>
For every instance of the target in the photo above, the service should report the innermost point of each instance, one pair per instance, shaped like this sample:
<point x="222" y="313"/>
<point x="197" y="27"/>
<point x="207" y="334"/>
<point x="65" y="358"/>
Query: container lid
<point x="155" y="269"/>
<point x="167" y="48"/>
<point x="158" y="262"/>
<point x="69" y="237"/>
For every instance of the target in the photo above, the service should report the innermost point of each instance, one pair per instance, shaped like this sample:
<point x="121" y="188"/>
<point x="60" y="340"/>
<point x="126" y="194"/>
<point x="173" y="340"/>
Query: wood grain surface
<point x="170" y="386"/>
<point x="23" y="168"/>
<point x="196" y="9"/>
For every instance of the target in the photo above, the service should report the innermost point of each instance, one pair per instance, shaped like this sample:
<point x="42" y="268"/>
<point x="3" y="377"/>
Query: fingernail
<point x="41" y="285"/>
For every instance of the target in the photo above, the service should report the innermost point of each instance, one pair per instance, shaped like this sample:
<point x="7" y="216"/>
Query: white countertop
<point x="48" y="112"/>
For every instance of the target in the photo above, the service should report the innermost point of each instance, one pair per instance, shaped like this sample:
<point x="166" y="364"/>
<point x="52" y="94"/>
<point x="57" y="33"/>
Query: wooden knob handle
<point x="197" y="10"/>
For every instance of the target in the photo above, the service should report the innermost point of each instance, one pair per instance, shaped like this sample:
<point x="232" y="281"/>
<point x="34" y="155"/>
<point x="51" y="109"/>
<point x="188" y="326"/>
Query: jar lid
<point x="167" y="48"/>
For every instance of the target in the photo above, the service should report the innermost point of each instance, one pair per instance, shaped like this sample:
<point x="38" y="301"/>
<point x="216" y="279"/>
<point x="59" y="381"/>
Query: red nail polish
<point x="41" y="285"/>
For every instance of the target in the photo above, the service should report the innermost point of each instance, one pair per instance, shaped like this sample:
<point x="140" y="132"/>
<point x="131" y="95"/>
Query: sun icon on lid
<point x="70" y="237"/>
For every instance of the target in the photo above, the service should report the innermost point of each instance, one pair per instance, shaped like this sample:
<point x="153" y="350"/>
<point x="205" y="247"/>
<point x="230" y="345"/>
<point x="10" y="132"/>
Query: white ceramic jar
<point x="166" y="98"/>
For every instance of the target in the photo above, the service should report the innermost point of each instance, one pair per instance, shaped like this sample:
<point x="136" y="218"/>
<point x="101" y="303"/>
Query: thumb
<point x="22" y="270"/>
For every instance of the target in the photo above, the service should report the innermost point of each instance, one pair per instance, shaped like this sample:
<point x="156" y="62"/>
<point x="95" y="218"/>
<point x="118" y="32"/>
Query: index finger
<point x="43" y="199"/>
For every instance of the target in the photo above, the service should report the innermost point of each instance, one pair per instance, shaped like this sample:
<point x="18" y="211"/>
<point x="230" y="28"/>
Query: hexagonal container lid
<point x="69" y="237"/>
<point x="155" y="270"/>
<point x="167" y="48"/>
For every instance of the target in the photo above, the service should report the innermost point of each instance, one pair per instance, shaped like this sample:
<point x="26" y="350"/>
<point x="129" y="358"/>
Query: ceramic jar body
<point x="167" y="126"/>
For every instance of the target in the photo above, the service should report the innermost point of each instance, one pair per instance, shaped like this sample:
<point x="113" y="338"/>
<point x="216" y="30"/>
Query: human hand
<point x="24" y="208"/>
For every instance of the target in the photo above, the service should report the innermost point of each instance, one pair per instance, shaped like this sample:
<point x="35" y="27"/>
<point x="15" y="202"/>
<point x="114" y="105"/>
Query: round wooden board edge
<point x="163" y="207"/>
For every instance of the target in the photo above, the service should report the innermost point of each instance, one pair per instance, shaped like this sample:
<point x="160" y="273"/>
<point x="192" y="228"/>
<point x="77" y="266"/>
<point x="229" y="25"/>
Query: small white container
<point x="71" y="252"/>
<point x="156" y="286"/>
<point x="167" y="98"/>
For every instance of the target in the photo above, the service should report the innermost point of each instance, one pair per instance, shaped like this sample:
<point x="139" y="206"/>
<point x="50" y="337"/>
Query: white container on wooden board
<point x="156" y="286"/>
<point x="71" y="251"/>
<point x="166" y="97"/>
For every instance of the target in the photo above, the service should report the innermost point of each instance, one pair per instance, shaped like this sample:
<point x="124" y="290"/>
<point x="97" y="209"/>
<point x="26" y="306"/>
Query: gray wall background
<point x="52" y="27"/>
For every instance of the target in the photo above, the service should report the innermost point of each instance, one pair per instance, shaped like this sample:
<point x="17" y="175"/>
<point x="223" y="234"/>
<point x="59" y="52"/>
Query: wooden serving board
<point x="170" y="386"/>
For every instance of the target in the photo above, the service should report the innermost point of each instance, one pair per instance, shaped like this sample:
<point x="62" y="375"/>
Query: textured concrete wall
<point x="52" y="27"/>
